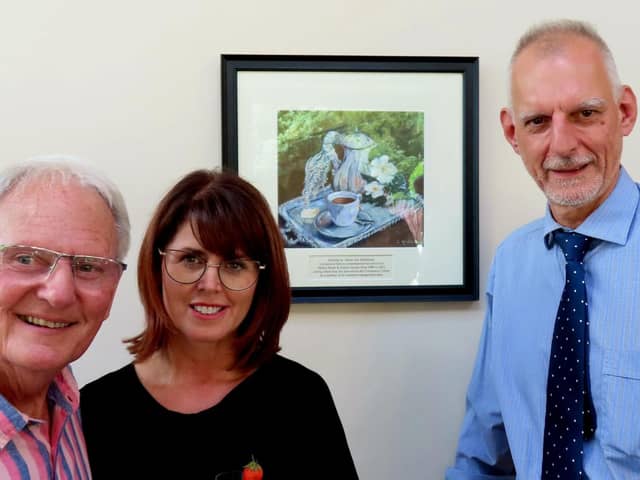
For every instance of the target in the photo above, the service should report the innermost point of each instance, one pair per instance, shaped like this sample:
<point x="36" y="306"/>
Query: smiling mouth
<point x="41" y="322"/>
<point x="569" y="170"/>
<point x="567" y="165"/>
<point x="206" y="310"/>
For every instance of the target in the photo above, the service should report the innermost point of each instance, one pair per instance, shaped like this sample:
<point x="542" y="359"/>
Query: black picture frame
<point x="440" y="92"/>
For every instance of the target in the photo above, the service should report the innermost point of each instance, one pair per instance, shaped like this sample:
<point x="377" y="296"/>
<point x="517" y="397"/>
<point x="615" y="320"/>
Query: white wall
<point x="133" y="87"/>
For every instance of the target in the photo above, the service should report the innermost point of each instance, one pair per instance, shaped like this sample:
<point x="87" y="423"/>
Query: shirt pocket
<point x="619" y="422"/>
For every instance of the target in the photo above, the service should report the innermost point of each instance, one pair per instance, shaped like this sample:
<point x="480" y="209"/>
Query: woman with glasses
<point x="207" y="396"/>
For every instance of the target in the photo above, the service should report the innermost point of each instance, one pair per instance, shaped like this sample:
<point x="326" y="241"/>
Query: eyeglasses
<point x="91" y="271"/>
<point x="187" y="267"/>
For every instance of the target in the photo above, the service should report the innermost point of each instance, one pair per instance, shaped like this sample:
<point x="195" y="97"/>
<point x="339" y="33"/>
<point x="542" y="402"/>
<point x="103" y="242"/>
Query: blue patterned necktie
<point x="570" y="416"/>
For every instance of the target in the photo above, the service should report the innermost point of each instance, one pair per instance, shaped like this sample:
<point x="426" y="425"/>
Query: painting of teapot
<point x="346" y="171"/>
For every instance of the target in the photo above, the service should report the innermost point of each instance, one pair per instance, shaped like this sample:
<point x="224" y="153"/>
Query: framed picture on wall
<point x="370" y="165"/>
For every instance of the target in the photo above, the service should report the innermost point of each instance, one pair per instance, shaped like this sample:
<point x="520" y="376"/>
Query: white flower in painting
<point x="382" y="169"/>
<point x="374" y="189"/>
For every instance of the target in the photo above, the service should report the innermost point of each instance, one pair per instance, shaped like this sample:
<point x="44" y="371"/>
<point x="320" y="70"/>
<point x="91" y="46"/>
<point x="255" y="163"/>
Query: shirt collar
<point x="63" y="393"/>
<point x="611" y="221"/>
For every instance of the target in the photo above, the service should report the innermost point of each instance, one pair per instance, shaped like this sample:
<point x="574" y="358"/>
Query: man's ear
<point x="509" y="128"/>
<point x="628" y="109"/>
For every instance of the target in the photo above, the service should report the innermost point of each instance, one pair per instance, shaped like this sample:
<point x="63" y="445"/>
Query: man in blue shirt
<point x="567" y="118"/>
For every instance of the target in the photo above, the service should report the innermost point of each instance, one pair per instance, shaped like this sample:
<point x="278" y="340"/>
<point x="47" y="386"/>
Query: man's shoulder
<point x="520" y="237"/>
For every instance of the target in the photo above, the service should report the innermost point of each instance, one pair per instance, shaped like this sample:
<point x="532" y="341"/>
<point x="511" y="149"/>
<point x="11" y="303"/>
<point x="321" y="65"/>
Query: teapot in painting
<point x="346" y="171"/>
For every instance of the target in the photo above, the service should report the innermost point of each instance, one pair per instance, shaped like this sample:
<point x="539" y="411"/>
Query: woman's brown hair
<point x="228" y="215"/>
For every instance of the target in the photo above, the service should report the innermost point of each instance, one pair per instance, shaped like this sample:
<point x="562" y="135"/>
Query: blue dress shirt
<point x="502" y="431"/>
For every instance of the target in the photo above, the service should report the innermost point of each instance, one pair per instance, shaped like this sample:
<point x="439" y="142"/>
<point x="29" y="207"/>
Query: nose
<point x="210" y="279"/>
<point x="58" y="288"/>
<point x="564" y="140"/>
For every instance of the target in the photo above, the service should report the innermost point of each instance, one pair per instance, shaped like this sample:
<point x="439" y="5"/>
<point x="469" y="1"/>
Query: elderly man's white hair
<point x="62" y="168"/>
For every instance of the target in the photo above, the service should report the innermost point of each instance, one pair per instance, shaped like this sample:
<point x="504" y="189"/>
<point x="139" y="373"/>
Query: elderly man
<point x="63" y="233"/>
<point x="556" y="385"/>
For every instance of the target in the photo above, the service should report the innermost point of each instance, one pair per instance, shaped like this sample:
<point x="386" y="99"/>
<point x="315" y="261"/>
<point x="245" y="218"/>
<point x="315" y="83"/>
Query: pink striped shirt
<point x="29" y="452"/>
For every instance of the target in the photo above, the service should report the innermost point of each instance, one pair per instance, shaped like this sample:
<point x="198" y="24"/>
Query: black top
<point x="283" y="415"/>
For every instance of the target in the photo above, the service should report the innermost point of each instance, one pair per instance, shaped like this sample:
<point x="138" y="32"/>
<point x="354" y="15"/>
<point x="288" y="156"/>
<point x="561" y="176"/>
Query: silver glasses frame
<point x="207" y="265"/>
<point x="59" y="255"/>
